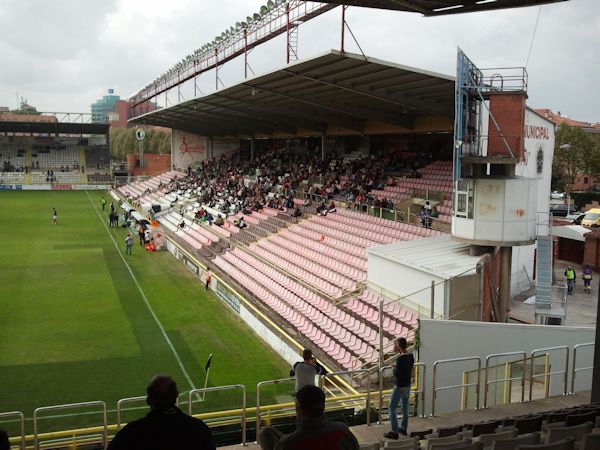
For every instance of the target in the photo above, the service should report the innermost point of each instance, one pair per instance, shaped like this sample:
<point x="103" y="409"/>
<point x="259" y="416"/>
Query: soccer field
<point x="78" y="323"/>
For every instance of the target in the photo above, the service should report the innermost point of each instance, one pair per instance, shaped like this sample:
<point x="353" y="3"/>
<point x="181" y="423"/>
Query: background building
<point x="103" y="107"/>
<point x="114" y="111"/>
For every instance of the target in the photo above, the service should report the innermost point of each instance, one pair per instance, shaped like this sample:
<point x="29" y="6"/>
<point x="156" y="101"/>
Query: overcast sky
<point x="61" y="55"/>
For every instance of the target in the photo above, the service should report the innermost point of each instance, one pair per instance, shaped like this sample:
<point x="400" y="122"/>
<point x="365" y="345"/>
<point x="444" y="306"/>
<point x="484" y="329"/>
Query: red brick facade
<point x="153" y="164"/>
<point x="508" y="111"/>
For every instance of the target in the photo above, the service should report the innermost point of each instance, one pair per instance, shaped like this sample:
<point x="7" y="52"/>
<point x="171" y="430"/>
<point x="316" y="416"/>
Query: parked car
<point x="561" y="210"/>
<point x="591" y="218"/>
<point x="576" y="218"/>
<point x="557" y="195"/>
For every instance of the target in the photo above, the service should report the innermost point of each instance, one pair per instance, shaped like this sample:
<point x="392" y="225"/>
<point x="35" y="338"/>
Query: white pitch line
<point x="137" y="284"/>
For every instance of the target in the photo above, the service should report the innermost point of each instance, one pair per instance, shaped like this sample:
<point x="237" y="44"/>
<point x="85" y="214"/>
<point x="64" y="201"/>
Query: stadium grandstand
<point x="338" y="204"/>
<point x="47" y="150"/>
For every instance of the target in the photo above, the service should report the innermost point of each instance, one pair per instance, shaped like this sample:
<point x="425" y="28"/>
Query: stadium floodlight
<point x="244" y="25"/>
<point x="264" y="10"/>
<point x="271" y="5"/>
<point x="249" y="20"/>
<point x="256" y="17"/>
<point x="238" y="26"/>
<point x="233" y="30"/>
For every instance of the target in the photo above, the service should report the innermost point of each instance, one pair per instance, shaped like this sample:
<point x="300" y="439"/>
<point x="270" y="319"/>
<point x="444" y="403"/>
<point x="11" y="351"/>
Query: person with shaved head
<point x="165" y="426"/>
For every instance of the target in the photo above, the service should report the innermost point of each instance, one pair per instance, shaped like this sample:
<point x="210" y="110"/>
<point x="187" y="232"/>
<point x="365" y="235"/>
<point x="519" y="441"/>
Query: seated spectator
<point x="165" y="426"/>
<point x="332" y="207"/>
<point x="314" y="431"/>
<point x="322" y="209"/>
<point x="220" y="221"/>
<point x="296" y="212"/>
<point x="241" y="224"/>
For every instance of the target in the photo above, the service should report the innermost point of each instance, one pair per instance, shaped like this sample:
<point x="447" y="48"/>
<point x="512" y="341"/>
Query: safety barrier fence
<point x="408" y="215"/>
<point x="367" y="400"/>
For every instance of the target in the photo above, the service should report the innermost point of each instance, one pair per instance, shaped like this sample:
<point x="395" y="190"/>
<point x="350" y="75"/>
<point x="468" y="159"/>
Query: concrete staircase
<point x="82" y="163"/>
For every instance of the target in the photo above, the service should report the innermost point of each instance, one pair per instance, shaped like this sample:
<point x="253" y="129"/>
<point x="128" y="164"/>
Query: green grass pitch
<point x="74" y="326"/>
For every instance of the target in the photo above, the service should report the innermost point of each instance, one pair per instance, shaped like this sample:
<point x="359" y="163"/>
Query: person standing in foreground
<point x="401" y="392"/>
<point x="165" y="426"/>
<point x="54" y="216"/>
<point x="103" y="202"/>
<point x="314" y="431"/>
<point x="306" y="370"/>
<point x="128" y="244"/>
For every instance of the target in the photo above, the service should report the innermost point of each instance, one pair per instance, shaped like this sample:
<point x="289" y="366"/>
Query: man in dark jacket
<point x="314" y="431"/>
<point x="401" y="392"/>
<point x="165" y="426"/>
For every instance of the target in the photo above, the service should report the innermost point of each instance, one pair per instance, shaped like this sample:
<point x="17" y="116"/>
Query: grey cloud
<point x="64" y="54"/>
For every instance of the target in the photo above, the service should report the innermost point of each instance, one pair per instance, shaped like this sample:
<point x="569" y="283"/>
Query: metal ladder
<point x="543" y="266"/>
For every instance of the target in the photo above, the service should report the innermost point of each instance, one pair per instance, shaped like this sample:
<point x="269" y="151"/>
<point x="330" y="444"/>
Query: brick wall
<point x="509" y="112"/>
<point x="153" y="164"/>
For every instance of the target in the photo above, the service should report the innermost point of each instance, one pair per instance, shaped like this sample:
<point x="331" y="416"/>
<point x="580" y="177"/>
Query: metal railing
<point x="435" y="387"/>
<point x="397" y="215"/>
<point x="325" y="377"/>
<point x="37" y="411"/>
<point x="576" y="369"/>
<point x="224" y="388"/>
<point x="99" y="433"/>
<point x="548" y="374"/>
<point x="487" y="383"/>
<point x="21" y="417"/>
<point x="258" y="389"/>
<point x="419" y="375"/>
<point x="123" y="401"/>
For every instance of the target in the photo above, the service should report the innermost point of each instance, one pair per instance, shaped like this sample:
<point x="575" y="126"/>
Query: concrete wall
<point x="539" y="134"/>
<point x="539" y="152"/>
<point x="224" y="147"/>
<point x="187" y="149"/>
<point x="465" y="301"/>
<point x="400" y="281"/>
<point x="446" y="339"/>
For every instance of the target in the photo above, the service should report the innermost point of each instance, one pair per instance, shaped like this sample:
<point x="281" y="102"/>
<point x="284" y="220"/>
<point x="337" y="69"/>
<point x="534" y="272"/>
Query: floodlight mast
<point x="275" y="18"/>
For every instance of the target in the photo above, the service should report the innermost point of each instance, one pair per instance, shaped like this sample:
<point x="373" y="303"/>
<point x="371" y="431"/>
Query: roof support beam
<point x="249" y="120"/>
<point x="422" y="106"/>
<point x="304" y="120"/>
<point x="350" y="123"/>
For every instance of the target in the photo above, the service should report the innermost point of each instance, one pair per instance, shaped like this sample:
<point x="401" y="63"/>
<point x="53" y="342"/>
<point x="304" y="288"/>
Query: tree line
<point x="581" y="155"/>
<point x="123" y="142"/>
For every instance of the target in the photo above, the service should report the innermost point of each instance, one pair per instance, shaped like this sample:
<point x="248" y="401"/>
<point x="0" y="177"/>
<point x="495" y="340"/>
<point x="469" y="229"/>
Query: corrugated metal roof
<point x="335" y="89"/>
<point x="440" y="256"/>
<point x="442" y="7"/>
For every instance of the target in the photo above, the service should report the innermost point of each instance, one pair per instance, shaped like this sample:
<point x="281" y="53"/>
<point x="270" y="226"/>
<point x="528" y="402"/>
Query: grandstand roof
<point x="441" y="7"/>
<point x="53" y="127"/>
<point x="440" y="256"/>
<point x="346" y="91"/>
